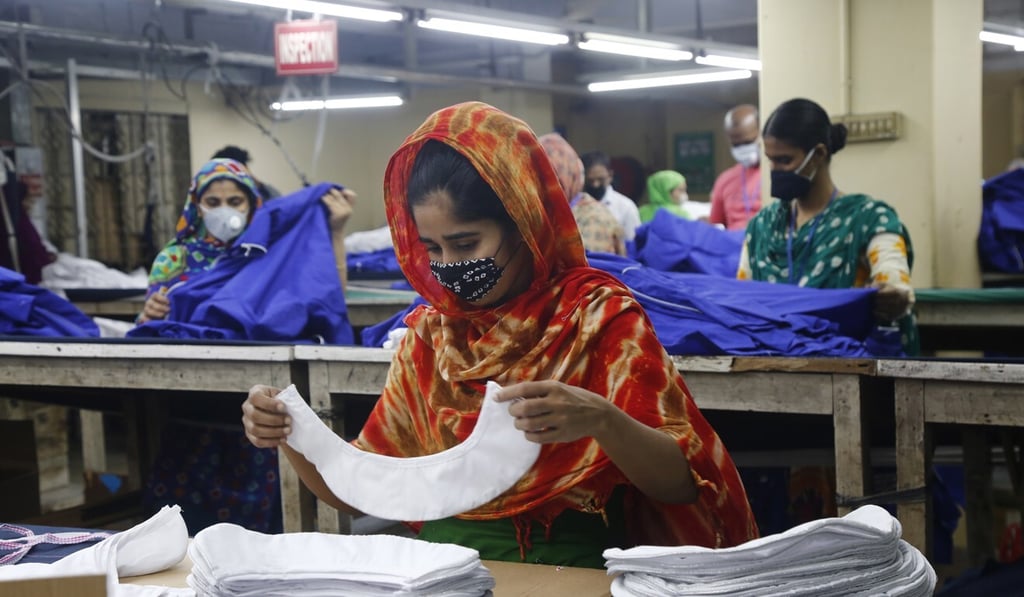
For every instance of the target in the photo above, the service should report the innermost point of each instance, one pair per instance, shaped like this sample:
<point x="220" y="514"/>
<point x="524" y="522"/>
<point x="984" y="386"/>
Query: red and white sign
<point x="306" y="47"/>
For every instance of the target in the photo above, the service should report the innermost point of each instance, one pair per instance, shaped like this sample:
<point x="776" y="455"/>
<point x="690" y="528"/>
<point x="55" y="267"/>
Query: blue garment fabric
<point x="696" y="314"/>
<point x="28" y="310"/>
<point x="1001" y="236"/>
<point x="674" y="244"/>
<point x="381" y="262"/>
<point x="374" y="336"/>
<point x="277" y="283"/>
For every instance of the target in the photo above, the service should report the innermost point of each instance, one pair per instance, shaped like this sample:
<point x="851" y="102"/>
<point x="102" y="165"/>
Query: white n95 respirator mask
<point x="224" y="223"/>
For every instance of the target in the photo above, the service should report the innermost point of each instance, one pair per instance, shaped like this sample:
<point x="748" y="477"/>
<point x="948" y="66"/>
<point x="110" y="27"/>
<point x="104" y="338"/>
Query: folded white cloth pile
<point x="858" y="554"/>
<point x="228" y="560"/>
<point x="157" y="544"/>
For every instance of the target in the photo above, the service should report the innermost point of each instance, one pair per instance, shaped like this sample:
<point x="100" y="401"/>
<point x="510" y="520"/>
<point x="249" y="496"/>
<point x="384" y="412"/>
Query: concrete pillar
<point x="921" y="58"/>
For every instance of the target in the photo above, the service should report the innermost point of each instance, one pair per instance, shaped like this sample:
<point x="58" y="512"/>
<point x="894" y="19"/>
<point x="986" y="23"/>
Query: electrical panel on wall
<point x="880" y="126"/>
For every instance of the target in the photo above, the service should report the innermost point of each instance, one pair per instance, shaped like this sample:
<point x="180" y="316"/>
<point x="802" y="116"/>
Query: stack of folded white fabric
<point x="858" y="554"/>
<point x="228" y="560"/>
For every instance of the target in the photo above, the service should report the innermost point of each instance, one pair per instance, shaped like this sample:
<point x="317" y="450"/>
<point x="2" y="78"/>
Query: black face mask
<point x="790" y="185"/>
<point x="596" y="191"/>
<point x="471" y="279"/>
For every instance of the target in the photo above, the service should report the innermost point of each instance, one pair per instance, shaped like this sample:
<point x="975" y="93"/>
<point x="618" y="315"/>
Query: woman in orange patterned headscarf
<point x="483" y="232"/>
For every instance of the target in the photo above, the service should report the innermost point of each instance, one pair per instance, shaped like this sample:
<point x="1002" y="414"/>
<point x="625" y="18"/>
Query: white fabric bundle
<point x="228" y="560"/>
<point x="486" y="464"/>
<point x="858" y="554"/>
<point x="154" y="545"/>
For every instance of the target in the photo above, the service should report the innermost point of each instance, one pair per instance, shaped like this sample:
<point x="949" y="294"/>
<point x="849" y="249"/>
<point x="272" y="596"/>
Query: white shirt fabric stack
<point x="858" y="554"/>
<point x="228" y="560"/>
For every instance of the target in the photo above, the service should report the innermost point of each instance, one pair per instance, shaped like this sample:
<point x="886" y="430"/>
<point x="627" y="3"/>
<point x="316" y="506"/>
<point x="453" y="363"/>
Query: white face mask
<point x="224" y="223"/>
<point x="748" y="154"/>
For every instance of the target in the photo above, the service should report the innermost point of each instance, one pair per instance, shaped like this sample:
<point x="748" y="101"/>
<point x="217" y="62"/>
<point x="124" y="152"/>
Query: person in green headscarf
<point x="666" y="190"/>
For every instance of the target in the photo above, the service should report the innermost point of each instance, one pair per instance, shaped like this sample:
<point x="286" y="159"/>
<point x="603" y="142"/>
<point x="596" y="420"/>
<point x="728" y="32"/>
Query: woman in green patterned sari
<point x="818" y="236"/>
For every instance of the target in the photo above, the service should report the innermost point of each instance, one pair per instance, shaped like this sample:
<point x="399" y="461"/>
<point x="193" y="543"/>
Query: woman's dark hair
<point x="439" y="167"/>
<point x="803" y="123"/>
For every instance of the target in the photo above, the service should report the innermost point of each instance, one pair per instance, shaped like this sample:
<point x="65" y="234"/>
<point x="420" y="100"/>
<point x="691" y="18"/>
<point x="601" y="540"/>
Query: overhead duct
<point x="353" y="71"/>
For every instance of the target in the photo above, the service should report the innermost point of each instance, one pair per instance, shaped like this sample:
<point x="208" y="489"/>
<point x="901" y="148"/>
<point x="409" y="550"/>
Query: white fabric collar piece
<point x="457" y="480"/>
<point x="151" y="546"/>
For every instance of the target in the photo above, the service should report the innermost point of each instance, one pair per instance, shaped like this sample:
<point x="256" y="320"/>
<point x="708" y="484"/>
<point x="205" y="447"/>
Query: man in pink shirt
<point x="736" y="196"/>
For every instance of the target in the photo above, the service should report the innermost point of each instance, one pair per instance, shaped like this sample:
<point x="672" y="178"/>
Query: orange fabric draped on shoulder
<point x="573" y="324"/>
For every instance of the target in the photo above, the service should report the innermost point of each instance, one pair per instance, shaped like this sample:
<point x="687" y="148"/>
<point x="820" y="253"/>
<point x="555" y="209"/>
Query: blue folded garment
<point x="28" y="310"/>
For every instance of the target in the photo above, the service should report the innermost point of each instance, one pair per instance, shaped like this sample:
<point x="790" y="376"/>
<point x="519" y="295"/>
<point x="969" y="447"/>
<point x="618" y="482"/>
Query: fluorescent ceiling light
<point x="669" y="80"/>
<point x="338" y="103"/>
<point x="530" y="36"/>
<point x="729" y="62"/>
<point x="631" y="46"/>
<point x="329" y="8"/>
<point x="1001" y="38"/>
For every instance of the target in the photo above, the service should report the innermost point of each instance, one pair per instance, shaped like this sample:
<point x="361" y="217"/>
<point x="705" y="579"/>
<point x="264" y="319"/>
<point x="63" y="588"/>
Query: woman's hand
<point x="157" y="306"/>
<point x="264" y="418"/>
<point x="339" y="204"/>
<point x="891" y="302"/>
<point x="551" y="411"/>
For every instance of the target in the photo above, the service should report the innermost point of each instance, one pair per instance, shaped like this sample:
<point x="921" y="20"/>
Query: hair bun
<point x="837" y="137"/>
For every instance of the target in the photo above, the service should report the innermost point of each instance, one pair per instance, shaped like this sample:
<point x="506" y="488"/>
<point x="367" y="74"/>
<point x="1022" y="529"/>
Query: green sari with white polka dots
<point x="831" y="253"/>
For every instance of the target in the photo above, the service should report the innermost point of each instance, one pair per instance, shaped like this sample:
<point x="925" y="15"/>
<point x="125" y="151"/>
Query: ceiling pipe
<point x="356" y="71"/>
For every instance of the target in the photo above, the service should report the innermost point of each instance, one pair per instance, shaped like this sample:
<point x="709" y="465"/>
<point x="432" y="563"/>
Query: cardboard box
<point x="19" y="471"/>
<point x="80" y="586"/>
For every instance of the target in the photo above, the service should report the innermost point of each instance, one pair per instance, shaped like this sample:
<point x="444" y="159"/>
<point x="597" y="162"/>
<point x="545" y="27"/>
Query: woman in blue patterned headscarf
<point x="221" y="202"/>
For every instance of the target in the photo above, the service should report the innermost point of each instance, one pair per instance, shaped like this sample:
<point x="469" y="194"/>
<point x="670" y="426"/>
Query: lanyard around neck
<point x="794" y="276"/>
<point x="743" y="191"/>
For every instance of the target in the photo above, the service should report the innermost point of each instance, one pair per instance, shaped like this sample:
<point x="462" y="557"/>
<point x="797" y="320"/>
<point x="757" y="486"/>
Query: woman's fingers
<point x="265" y="419"/>
<point x="157" y="306"/>
<point x="339" y="206"/>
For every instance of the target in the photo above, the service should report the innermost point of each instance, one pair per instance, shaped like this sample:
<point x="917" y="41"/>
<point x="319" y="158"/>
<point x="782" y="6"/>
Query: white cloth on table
<point x="858" y="554"/>
<point x="228" y="560"/>
<point x="151" y="546"/>
<point x="485" y="465"/>
<point x="367" y="241"/>
<point x="71" y="271"/>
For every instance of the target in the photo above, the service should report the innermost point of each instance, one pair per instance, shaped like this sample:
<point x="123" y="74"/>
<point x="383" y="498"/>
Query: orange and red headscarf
<point x="574" y="324"/>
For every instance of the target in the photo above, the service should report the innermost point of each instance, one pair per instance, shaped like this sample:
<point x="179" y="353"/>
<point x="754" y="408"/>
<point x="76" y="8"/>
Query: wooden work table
<point x="972" y="396"/>
<point x="119" y="376"/>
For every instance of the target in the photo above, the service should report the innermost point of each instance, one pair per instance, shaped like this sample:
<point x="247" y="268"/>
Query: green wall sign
<point x="695" y="159"/>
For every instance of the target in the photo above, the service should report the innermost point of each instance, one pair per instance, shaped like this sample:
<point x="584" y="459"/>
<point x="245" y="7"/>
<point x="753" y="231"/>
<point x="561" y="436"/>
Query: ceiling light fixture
<point x="1001" y="38"/>
<point x="339" y="103"/>
<point x="631" y="46"/>
<point x="668" y="80"/>
<point x="328" y="9"/>
<point x="530" y="36"/>
<point x="729" y="62"/>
